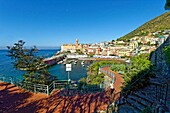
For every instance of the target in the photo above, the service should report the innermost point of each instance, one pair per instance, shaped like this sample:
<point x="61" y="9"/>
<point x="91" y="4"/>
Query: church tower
<point x="77" y="43"/>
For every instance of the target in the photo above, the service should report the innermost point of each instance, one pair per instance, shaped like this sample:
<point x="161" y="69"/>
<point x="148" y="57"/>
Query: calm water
<point x="6" y="67"/>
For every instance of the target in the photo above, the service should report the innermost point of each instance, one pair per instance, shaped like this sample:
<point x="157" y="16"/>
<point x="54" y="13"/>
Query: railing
<point x="109" y="74"/>
<point x="48" y="89"/>
<point x="119" y="96"/>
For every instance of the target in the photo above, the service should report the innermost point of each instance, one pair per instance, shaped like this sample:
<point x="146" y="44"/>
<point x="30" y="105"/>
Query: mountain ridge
<point x="161" y="22"/>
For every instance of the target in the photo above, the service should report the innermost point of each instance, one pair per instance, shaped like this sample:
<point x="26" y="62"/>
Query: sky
<point x="51" y="23"/>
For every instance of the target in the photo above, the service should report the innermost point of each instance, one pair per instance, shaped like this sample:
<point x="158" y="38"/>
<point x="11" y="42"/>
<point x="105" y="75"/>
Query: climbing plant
<point x="167" y="52"/>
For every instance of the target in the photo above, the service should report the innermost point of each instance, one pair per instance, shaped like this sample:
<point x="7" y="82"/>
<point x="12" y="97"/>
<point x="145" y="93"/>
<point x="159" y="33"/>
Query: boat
<point x="60" y="62"/>
<point x="75" y="62"/>
<point x="82" y="63"/>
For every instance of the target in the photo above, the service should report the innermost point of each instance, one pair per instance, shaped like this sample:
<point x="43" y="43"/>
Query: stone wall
<point x="159" y="59"/>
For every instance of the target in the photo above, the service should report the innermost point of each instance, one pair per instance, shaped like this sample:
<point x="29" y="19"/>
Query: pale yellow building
<point x="68" y="47"/>
<point x="71" y="47"/>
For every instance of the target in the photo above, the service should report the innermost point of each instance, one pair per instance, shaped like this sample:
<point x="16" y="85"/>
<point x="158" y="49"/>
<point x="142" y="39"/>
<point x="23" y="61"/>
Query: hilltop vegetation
<point x="161" y="22"/>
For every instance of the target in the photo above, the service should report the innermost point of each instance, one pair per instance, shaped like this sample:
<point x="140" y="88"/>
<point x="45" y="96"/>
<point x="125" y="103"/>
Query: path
<point x="118" y="79"/>
<point x="117" y="83"/>
<point x="16" y="100"/>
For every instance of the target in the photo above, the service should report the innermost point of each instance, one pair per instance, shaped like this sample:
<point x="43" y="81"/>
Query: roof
<point x="161" y="37"/>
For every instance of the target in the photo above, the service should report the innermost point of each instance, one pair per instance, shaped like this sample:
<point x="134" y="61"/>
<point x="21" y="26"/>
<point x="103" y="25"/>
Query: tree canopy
<point x="27" y="59"/>
<point x="140" y="66"/>
<point x="167" y="5"/>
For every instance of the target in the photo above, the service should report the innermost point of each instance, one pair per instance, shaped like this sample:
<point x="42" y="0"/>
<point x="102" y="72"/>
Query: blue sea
<point x="6" y="67"/>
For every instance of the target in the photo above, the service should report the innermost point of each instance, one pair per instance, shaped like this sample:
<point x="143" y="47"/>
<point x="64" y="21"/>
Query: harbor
<point x="57" y="69"/>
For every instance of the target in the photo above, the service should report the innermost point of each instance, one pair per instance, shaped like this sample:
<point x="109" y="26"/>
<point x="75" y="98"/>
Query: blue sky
<point x="55" y="22"/>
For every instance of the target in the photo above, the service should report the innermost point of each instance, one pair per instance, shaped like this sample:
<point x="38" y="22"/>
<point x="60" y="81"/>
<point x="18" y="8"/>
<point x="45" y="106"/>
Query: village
<point x="115" y="48"/>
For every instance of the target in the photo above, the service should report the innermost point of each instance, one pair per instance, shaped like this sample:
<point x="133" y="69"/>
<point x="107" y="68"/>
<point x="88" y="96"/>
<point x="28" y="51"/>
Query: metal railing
<point x="48" y="89"/>
<point x="109" y="74"/>
<point x="119" y="96"/>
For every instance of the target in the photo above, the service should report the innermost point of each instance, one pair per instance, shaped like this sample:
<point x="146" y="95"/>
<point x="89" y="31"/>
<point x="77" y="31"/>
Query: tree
<point x="167" y="5"/>
<point x="93" y="72"/>
<point x="118" y="67"/>
<point x="26" y="59"/>
<point x="167" y="53"/>
<point x="140" y="66"/>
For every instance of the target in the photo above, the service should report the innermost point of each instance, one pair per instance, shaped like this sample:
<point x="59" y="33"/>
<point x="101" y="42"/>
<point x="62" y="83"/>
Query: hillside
<point x="161" y="22"/>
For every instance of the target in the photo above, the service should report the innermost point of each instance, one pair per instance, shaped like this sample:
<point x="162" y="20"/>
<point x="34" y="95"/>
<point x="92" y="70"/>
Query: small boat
<point x="60" y="62"/>
<point x="82" y="63"/>
<point x="75" y="62"/>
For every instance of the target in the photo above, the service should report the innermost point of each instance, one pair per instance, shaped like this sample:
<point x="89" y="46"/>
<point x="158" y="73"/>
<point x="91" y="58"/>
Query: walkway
<point x="118" y="79"/>
<point x="117" y="83"/>
<point x="16" y="100"/>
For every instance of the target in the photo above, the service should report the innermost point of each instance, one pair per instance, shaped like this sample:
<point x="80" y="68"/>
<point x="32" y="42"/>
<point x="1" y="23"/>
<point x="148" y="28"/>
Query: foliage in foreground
<point x="26" y="59"/>
<point x="121" y="68"/>
<point x="147" y="110"/>
<point x="139" y="68"/>
<point x="167" y="52"/>
<point x="93" y="76"/>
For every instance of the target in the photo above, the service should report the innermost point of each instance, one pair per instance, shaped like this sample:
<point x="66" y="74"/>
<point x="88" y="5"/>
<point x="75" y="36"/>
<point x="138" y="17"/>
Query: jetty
<point x="54" y="59"/>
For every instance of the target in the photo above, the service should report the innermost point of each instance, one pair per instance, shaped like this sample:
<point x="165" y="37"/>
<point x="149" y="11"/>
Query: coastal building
<point x="98" y="51"/>
<point x="124" y="52"/>
<point x="133" y="44"/>
<point x="161" y="39"/>
<point x="71" y="47"/>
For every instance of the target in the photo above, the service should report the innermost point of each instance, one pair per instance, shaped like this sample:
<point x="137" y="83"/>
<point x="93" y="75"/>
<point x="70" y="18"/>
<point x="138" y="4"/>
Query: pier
<point x="54" y="59"/>
<point x="101" y="59"/>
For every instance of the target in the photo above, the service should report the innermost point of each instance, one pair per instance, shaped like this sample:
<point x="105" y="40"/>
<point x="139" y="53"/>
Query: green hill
<point x="161" y="22"/>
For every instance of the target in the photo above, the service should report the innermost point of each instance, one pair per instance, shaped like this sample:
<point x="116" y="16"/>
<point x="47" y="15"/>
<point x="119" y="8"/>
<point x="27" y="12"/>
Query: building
<point x="71" y="47"/>
<point x="68" y="47"/>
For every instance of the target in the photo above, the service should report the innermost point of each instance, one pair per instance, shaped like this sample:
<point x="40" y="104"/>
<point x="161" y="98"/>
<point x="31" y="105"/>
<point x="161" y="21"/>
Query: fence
<point x="109" y="74"/>
<point x="56" y="84"/>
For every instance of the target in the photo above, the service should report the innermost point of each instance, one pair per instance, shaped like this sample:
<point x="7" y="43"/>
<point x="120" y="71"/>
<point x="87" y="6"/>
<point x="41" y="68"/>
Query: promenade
<point x="14" y="99"/>
<point x="17" y="100"/>
<point x="118" y="79"/>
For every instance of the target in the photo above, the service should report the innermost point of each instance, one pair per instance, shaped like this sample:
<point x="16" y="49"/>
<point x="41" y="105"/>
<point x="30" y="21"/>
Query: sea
<point x="59" y="70"/>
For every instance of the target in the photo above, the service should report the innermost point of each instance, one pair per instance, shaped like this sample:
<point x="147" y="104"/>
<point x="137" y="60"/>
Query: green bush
<point x="147" y="110"/>
<point x="167" y="52"/>
<point x="93" y="76"/>
<point x="118" y="67"/>
<point x="140" y="65"/>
